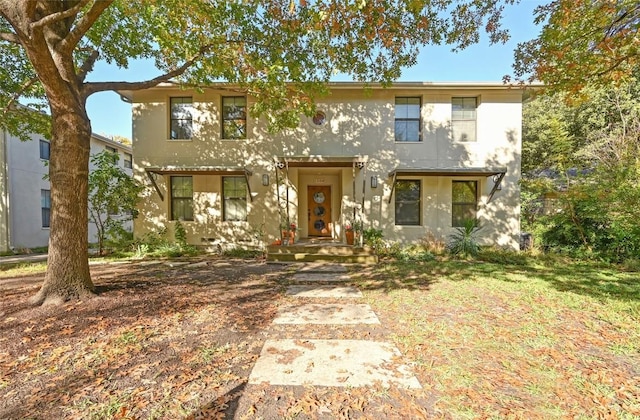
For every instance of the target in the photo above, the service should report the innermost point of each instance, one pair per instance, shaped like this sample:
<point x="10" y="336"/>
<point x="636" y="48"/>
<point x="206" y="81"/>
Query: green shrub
<point x="372" y="235"/>
<point x="242" y="253"/>
<point x="463" y="242"/>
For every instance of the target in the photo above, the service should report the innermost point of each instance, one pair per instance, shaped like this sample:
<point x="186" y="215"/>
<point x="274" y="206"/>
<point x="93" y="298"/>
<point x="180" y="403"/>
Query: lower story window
<point x="408" y="202"/>
<point x="464" y="202"/>
<point x="181" y="198"/>
<point x="45" y="204"/>
<point x="234" y="190"/>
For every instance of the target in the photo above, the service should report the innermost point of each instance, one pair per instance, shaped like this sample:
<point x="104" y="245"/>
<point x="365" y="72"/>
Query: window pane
<point x="401" y="131"/>
<point x="407" y="202"/>
<point x="463" y="130"/>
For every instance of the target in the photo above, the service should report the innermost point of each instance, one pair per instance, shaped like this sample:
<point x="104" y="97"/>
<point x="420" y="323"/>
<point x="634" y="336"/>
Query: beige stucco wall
<point x="359" y="123"/>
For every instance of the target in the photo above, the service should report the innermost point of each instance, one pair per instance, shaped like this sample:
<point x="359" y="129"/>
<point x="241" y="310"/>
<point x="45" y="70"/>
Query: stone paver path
<point x="325" y="313"/>
<point x="336" y="292"/>
<point x="328" y="362"/>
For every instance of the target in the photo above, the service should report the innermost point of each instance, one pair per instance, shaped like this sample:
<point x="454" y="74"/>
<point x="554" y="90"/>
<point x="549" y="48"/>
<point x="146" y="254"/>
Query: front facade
<point x="25" y="202"/>
<point x="414" y="160"/>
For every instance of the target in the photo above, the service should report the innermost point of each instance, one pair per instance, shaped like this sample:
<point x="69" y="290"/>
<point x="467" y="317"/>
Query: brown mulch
<point x="169" y="342"/>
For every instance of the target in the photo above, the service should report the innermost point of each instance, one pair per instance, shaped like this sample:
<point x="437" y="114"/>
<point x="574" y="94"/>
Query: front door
<point x="319" y="210"/>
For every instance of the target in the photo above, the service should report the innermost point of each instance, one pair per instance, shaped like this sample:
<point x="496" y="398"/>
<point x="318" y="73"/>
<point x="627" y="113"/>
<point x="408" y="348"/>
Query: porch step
<point x="333" y="253"/>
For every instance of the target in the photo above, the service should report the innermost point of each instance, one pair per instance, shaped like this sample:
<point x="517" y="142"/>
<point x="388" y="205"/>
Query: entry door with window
<point x="319" y="209"/>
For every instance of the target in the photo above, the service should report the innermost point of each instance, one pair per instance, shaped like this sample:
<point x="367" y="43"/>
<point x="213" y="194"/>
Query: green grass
<point x="23" y="269"/>
<point x="515" y="335"/>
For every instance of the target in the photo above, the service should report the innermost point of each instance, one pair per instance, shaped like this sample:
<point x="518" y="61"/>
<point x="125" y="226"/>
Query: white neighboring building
<point x="25" y="192"/>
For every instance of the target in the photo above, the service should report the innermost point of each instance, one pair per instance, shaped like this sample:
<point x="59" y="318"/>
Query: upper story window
<point x="45" y="150"/>
<point x="181" y="126"/>
<point x="463" y="118"/>
<point x="407" y="202"/>
<point x="181" y="198"/>
<point x="464" y="202"/>
<point x="234" y="117"/>
<point x="407" y="119"/>
<point x="128" y="161"/>
<point x="234" y="191"/>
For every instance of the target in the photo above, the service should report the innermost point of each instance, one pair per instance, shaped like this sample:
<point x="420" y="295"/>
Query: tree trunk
<point x="67" y="275"/>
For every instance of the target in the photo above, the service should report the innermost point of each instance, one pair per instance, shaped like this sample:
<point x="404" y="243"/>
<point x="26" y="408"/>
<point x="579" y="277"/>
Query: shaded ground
<point x="485" y="341"/>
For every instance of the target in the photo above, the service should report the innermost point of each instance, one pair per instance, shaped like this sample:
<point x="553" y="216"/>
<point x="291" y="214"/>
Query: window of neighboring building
<point x="234" y="117"/>
<point x="463" y="118"/>
<point x="234" y="191"/>
<point x="181" y="118"/>
<point x="407" y="119"/>
<point x="181" y="198"/>
<point x="464" y="202"/>
<point x="128" y="160"/>
<point x="407" y="202"/>
<point x="45" y="149"/>
<point x="45" y="204"/>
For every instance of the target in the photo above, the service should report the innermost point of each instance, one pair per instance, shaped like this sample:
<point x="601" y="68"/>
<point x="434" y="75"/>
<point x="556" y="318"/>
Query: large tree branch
<point x="93" y="87"/>
<point x="85" y="23"/>
<point x="87" y="66"/>
<point x="58" y="16"/>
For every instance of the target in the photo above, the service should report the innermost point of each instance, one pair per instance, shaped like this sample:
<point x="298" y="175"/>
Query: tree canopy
<point x="281" y="53"/>
<point x="582" y="43"/>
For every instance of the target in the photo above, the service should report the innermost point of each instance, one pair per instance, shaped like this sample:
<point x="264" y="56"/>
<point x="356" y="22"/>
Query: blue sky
<point x="482" y="62"/>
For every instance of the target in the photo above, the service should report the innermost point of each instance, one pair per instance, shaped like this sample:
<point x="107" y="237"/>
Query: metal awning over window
<point x="196" y="170"/>
<point x="319" y="161"/>
<point x="497" y="173"/>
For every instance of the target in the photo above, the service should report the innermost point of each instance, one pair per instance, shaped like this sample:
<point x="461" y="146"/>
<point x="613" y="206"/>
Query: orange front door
<point x="319" y="210"/>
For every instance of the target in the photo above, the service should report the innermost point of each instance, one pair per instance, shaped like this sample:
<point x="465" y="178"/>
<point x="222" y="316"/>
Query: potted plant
<point x="292" y="232"/>
<point x="284" y="230"/>
<point x="349" y="233"/>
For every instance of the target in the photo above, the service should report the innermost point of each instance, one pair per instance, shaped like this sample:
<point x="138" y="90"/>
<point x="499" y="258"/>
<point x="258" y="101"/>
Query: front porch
<point x="321" y="250"/>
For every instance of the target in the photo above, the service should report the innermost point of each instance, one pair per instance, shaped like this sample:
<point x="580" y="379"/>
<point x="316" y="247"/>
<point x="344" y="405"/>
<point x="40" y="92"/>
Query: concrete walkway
<point x="20" y="259"/>
<point x="328" y="362"/>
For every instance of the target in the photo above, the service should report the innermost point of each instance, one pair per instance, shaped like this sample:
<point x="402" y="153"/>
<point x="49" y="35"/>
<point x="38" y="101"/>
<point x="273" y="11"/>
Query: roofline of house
<point x="495" y="85"/>
<point x="110" y="142"/>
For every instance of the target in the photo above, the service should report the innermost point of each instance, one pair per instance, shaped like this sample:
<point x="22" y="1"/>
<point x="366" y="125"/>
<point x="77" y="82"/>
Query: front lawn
<point x="530" y="339"/>
<point x="518" y="337"/>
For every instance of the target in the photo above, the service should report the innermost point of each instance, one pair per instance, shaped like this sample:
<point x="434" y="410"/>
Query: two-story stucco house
<point x="414" y="159"/>
<point x="25" y="192"/>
